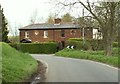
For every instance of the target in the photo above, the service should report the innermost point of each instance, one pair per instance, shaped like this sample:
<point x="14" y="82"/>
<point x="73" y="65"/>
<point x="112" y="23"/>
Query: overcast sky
<point x="18" y="12"/>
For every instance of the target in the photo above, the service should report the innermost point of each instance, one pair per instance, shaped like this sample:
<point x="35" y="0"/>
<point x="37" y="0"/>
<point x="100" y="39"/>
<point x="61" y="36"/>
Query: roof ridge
<point x="50" y="26"/>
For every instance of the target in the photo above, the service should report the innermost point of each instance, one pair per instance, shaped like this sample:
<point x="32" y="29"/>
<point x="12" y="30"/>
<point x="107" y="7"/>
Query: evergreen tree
<point x="4" y="27"/>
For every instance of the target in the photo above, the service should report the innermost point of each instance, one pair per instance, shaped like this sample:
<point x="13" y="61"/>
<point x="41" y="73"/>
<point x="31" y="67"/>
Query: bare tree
<point x="50" y="19"/>
<point x="104" y="13"/>
<point x="35" y="18"/>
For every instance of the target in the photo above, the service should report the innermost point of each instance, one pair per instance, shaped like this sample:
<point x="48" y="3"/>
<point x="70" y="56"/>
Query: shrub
<point x="97" y="44"/>
<point x="14" y="45"/>
<point x="115" y="44"/>
<point x="94" y="44"/>
<point x="78" y="44"/>
<point x="86" y="46"/>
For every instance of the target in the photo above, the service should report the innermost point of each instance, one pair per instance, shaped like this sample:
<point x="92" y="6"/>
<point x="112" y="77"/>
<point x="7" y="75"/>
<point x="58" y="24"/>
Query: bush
<point x="36" y="48"/>
<point x="115" y="44"/>
<point x="14" y="45"/>
<point x="89" y="44"/>
<point x="97" y="44"/>
<point x="78" y="44"/>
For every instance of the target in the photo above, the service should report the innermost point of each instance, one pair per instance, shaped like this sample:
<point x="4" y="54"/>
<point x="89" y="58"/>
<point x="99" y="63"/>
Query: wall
<point x="55" y="35"/>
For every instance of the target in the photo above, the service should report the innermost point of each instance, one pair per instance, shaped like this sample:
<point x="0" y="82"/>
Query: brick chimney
<point x="57" y="21"/>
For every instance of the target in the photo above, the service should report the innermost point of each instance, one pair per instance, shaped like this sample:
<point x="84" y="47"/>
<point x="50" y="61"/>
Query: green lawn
<point x="91" y="55"/>
<point x="16" y="66"/>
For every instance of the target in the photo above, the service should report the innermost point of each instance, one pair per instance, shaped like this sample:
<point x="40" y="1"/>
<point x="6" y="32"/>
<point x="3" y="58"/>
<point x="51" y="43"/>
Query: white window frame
<point x="26" y="34"/>
<point x="45" y="34"/>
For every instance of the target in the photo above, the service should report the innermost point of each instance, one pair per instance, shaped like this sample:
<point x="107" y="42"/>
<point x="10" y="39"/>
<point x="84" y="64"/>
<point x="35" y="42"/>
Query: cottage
<point x="57" y="32"/>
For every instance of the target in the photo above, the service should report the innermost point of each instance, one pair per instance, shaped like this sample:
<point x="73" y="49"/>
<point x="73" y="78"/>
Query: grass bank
<point x="91" y="55"/>
<point x="0" y="64"/>
<point x="16" y="66"/>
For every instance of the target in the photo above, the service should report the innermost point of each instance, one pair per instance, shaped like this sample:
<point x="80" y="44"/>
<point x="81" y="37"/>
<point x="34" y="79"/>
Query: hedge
<point x="36" y="48"/>
<point x="94" y="44"/>
<point x="78" y="44"/>
<point x="75" y="39"/>
<point x="89" y="44"/>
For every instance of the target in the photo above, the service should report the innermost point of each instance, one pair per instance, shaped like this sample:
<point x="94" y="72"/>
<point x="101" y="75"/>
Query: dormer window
<point x="26" y="34"/>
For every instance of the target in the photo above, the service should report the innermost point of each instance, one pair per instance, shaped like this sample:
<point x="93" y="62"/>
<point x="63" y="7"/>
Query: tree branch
<point x="89" y="9"/>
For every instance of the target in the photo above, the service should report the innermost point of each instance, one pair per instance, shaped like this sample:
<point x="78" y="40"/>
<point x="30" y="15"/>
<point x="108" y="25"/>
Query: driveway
<point x="62" y="69"/>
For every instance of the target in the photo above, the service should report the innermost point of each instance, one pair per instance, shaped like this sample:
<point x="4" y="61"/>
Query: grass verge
<point x="0" y="64"/>
<point x="90" y="55"/>
<point x="16" y="66"/>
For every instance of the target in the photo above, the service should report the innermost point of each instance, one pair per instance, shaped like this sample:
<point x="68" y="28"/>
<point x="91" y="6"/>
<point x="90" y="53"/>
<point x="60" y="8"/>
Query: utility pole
<point x="0" y="24"/>
<point x="119" y="27"/>
<point x="83" y="32"/>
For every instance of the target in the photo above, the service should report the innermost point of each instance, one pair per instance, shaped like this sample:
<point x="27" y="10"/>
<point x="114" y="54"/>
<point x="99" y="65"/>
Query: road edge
<point x="42" y="73"/>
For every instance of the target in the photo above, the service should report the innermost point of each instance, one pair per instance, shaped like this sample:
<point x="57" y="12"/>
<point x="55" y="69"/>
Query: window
<point x="45" y="34"/>
<point x="26" y="34"/>
<point x="72" y="32"/>
<point x="62" y="33"/>
<point x="36" y="32"/>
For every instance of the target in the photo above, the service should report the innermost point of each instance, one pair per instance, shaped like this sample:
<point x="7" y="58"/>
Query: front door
<point x="62" y="44"/>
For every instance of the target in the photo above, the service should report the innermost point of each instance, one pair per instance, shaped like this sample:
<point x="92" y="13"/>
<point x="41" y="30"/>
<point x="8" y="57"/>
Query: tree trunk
<point x="108" y="30"/>
<point x="108" y="50"/>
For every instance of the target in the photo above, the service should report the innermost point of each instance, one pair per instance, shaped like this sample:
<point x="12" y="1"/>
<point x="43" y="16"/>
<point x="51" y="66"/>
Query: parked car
<point x="26" y="40"/>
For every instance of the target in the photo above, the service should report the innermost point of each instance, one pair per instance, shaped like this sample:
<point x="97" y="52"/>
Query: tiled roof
<point x="51" y="26"/>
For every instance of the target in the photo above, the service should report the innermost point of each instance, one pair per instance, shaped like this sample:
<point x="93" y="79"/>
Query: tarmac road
<point x="62" y="69"/>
